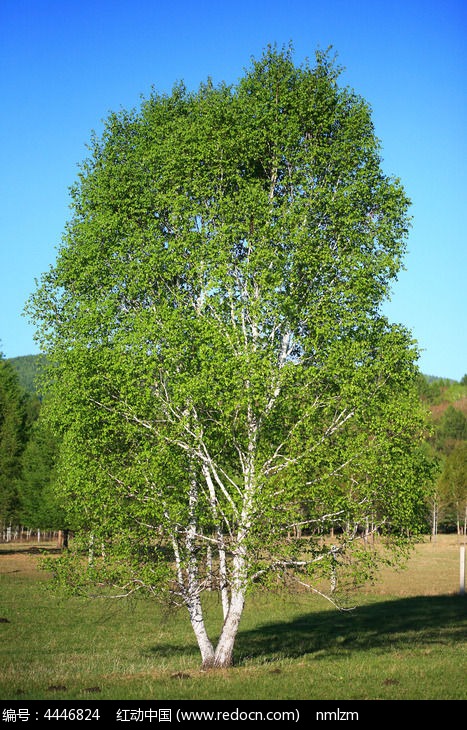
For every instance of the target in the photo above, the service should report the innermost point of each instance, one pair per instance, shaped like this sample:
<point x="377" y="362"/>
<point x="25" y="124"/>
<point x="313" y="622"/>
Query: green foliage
<point x="453" y="424"/>
<point x="219" y="371"/>
<point x="28" y="368"/>
<point x="39" y="504"/>
<point x="452" y="485"/>
<point x="450" y="429"/>
<point x="446" y="442"/>
<point x="13" y="435"/>
<point x="436" y="390"/>
<point x="27" y="453"/>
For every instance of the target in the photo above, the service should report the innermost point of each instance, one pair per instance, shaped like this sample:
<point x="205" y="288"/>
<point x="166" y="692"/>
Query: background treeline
<point x="28" y="451"/>
<point x="447" y="446"/>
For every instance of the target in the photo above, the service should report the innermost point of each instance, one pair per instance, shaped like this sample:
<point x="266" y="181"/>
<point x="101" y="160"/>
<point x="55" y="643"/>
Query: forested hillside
<point x="27" y="368"/>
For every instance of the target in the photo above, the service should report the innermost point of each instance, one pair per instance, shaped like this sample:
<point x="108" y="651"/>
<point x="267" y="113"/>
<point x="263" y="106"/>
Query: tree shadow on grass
<point x="381" y="626"/>
<point x="33" y="550"/>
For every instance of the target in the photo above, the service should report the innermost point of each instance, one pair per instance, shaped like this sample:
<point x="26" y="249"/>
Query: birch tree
<point x="225" y="388"/>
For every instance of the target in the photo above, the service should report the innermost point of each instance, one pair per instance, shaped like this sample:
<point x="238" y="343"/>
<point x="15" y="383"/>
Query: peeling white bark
<point x="224" y="650"/>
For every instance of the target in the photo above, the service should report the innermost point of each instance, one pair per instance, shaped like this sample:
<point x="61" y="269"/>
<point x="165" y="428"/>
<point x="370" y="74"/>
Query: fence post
<point x="462" y="571"/>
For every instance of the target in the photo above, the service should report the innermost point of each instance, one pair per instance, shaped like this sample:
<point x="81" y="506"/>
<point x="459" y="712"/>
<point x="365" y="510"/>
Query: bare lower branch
<point x="320" y="593"/>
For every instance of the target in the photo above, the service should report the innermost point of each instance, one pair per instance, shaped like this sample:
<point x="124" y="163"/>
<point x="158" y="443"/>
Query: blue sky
<point x="65" y="64"/>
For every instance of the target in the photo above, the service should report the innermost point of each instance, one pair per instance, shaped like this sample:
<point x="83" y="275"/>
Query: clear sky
<point x="65" y="64"/>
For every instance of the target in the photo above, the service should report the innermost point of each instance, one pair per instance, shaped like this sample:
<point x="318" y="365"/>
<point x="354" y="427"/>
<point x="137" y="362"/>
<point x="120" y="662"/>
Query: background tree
<point x="453" y="486"/>
<point x="13" y="436"/>
<point x="446" y="401"/>
<point x="452" y="428"/>
<point x="40" y="507"/>
<point x="221" y="376"/>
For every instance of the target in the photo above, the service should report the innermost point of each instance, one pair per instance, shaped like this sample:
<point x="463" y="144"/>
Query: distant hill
<point x="27" y="367"/>
<point x="436" y="378"/>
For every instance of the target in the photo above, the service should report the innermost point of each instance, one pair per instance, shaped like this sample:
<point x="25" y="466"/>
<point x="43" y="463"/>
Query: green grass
<point x="395" y="645"/>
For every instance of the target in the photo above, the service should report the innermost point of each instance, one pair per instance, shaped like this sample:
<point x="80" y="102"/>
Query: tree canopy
<point x="225" y="389"/>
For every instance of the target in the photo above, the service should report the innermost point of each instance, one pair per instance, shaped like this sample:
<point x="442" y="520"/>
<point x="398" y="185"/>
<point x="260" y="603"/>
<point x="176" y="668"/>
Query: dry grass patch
<point x="432" y="570"/>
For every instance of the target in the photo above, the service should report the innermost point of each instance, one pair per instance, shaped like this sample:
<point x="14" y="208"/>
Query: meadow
<point x="406" y="639"/>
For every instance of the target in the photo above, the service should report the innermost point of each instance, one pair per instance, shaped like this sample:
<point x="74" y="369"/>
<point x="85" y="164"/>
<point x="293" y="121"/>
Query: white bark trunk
<point x="224" y="651"/>
<point x="223" y="576"/>
<point x="233" y="584"/>
<point x="209" y="571"/>
<point x="197" y="622"/>
<point x="193" y="589"/>
<point x="220" y="541"/>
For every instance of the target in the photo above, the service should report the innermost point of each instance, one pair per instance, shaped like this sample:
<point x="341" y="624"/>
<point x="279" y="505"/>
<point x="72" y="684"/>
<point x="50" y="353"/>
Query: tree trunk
<point x="63" y="539"/>
<point x="209" y="569"/>
<point x="197" y="622"/>
<point x="193" y="588"/>
<point x="224" y="651"/>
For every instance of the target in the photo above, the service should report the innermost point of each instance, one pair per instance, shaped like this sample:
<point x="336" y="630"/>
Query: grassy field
<point x="407" y="639"/>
